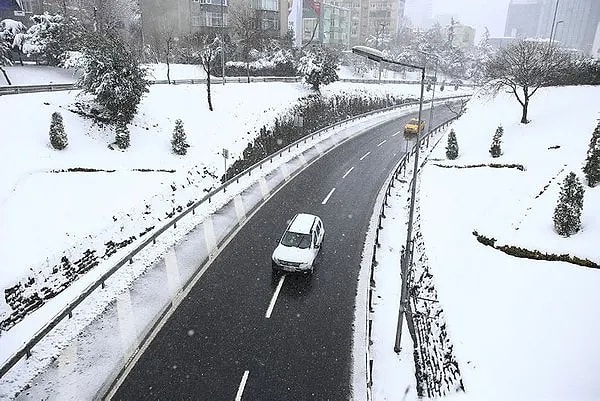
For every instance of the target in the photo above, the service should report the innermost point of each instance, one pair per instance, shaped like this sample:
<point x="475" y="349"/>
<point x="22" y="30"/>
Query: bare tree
<point x="456" y="107"/>
<point x="163" y="42"/>
<point x="246" y="33"/>
<point x="204" y="49"/>
<point x="523" y="68"/>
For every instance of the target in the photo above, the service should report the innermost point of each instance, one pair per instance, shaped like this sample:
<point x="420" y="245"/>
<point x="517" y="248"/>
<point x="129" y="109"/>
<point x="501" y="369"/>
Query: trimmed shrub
<point x="496" y="148"/>
<point x="58" y="138"/>
<point x="592" y="162"/>
<point x="179" y="142"/>
<point x="567" y="214"/>
<point x="452" y="147"/>
<point x="122" y="135"/>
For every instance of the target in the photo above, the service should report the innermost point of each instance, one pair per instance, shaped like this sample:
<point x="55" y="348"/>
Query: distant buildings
<point x="575" y="25"/>
<point x="463" y="36"/>
<point x="18" y="10"/>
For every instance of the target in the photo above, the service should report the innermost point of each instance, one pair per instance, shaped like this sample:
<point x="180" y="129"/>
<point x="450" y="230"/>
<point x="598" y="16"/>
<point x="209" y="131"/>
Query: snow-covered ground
<point x="52" y="211"/>
<point x="520" y="329"/>
<point x="46" y="212"/>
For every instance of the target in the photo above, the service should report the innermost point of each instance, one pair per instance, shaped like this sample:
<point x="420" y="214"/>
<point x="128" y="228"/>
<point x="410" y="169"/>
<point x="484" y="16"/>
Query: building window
<point x="270" y="22"/>
<point x="266" y="5"/>
<point x="196" y="20"/>
<point x="27" y="6"/>
<point x="213" y="2"/>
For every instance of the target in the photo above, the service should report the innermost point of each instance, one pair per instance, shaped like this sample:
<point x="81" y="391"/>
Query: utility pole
<point x="430" y="122"/>
<point x="223" y="41"/>
<point x="553" y="20"/>
<point x="408" y="247"/>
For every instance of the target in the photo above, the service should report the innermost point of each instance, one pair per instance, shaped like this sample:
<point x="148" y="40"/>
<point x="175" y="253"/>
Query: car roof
<point x="413" y="120"/>
<point x="302" y="223"/>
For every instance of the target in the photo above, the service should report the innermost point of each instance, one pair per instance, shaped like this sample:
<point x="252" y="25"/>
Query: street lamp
<point x="430" y="122"/>
<point x="223" y="41"/>
<point x="376" y="55"/>
<point x="553" y="19"/>
<point x="554" y="31"/>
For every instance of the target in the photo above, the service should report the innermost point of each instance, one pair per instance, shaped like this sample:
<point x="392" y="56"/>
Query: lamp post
<point x="553" y="19"/>
<point x="553" y="35"/>
<point x="376" y="55"/>
<point x="430" y="122"/>
<point x="223" y="41"/>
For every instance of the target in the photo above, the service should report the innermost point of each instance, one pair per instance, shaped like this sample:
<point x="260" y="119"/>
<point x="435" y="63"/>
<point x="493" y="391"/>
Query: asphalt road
<point x="220" y="345"/>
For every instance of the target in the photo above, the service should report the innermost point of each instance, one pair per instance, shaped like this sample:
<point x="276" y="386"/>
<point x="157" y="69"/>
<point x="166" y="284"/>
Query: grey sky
<point x="476" y="13"/>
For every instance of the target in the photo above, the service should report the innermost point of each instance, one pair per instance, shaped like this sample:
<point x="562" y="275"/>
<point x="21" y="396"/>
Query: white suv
<point x="297" y="249"/>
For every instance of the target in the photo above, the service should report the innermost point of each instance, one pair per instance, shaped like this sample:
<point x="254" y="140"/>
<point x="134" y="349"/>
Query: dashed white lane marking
<point x="348" y="172"/>
<point x="240" y="210"/>
<point x="397" y="133"/>
<point x="126" y="319"/>
<point x="381" y="143"/>
<point x="328" y="196"/>
<point x="274" y="298"/>
<point x="172" y="267"/>
<point x="365" y="155"/>
<point x="209" y="235"/>
<point x="285" y="172"/>
<point x="264" y="189"/>
<point x="238" y="396"/>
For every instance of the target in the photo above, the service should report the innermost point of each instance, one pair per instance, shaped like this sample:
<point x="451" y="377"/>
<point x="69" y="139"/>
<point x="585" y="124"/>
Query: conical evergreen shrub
<point x="58" y="138"/>
<point x="452" y="147"/>
<point x="122" y="135"/>
<point x="496" y="148"/>
<point x="592" y="162"/>
<point x="179" y="141"/>
<point x="567" y="214"/>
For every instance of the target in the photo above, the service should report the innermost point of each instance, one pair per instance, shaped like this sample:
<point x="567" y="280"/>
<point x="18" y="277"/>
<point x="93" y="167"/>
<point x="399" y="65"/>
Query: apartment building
<point x="371" y="18"/>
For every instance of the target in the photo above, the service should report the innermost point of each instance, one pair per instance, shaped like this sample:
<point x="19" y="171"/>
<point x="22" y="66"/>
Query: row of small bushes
<point x="317" y="112"/>
<point x="238" y="69"/>
<point x="534" y="254"/>
<point x="59" y="140"/>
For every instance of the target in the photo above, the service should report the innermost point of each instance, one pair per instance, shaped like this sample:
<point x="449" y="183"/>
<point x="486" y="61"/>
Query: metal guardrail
<point x="68" y="310"/>
<point x="17" y="89"/>
<point x="401" y="165"/>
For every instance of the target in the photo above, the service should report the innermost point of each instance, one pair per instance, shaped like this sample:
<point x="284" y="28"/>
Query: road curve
<point x="245" y="334"/>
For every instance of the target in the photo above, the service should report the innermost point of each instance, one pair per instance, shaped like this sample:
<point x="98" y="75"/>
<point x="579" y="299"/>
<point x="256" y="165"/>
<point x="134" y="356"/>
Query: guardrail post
<point x="27" y="353"/>
<point x="175" y="225"/>
<point x="103" y="285"/>
<point x="130" y="260"/>
<point x="70" y="314"/>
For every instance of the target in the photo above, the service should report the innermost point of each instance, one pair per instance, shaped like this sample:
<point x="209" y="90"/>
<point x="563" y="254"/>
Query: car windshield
<point x="296" y="240"/>
<point x="413" y="122"/>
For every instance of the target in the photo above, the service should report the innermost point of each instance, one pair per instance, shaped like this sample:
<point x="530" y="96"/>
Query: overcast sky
<point x="476" y="13"/>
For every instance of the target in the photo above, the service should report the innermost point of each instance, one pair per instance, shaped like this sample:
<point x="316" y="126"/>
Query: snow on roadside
<point x="522" y="329"/>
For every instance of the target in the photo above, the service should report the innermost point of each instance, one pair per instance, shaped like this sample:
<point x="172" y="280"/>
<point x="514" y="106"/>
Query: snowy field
<point x="47" y="212"/>
<point x="521" y="329"/>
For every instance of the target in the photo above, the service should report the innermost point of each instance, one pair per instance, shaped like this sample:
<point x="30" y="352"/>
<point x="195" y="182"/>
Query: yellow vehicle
<point x="412" y="127"/>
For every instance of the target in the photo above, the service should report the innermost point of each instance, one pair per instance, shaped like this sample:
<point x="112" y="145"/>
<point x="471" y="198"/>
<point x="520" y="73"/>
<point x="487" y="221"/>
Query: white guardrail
<point x="25" y="350"/>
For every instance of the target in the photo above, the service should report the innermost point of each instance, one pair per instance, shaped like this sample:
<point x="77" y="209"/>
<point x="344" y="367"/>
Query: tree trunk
<point x="248" y="70"/>
<point x="524" y="115"/>
<point x="5" y="76"/>
<point x="210" y="107"/>
<point x="168" y="70"/>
